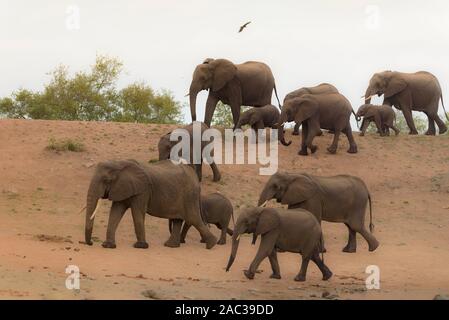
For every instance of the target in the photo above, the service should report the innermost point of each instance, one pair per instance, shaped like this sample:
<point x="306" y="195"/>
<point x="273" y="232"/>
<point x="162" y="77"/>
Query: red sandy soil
<point x="42" y="191"/>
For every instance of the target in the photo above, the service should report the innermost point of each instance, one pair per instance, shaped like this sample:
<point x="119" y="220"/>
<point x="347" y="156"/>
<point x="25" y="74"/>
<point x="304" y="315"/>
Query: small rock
<point x="150" y="294"/>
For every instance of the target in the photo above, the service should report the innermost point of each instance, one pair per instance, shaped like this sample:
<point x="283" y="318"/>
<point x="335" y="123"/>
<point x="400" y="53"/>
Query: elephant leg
<point x="296" y="129"/>
<point x="229" y="231"/>
<point x="204" y="231"/>
<point x="265" y="248"/>
<point x="396" y="130"/>
<point x="431" y="125"/>
<point x="442" y="128"/>
<point x="175" y="238"/>
<point x="138" y="210"/>
<point x="274" y="265"/>
<point x="235" y="109"/>
<point x="320" y="264"/>
<point x="199" y="171"/>
<point x="409" y="119"/>
<point x="301" y="276"/>
<point x="185" y="229"/>
<point x="118" y="209"/>
<point x="369" y="237"/>
<point x="211" y="104"/>
<point x="304" y="133"/>
<point x="364" y="127"/>
<point x="352" y="145"/>
<point x="333" y="147"/>
<point x="216" y="172"/>
<point x="352" y="241"/>
<point x="223" y="229"/>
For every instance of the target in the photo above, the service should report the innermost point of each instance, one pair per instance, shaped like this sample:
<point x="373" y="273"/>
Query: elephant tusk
<point x="93" y="214"/>
<point x="82" y="209"/>
<point x="368" y="97"/>
<point x="263" y="205"/>
<point x="187" y="95"/>
<point x="238" y="237"/>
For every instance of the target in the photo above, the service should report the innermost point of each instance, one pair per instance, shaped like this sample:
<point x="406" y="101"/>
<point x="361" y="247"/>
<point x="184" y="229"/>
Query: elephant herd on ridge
<point x="172" y="191"/>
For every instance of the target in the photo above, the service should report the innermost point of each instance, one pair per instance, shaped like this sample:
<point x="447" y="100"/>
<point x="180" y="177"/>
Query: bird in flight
<point x="244" y="26"/>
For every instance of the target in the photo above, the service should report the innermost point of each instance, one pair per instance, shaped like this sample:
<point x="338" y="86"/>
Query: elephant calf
<point x="295" y="231"/>
<point x="260" y="118"/>
<point x="216" y="209"/>
<point x="341" y="198"/>
<point x="383" y="116"/>
<point x="163" y="190"/>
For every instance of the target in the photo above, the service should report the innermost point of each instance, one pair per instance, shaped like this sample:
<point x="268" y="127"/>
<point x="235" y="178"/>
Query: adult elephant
<point x="249" y="84"/>
<point x="419" y="91"/>
<point x="163" y="190"/>
<point x="330" y="111"/>
<point x="319" y="89"/>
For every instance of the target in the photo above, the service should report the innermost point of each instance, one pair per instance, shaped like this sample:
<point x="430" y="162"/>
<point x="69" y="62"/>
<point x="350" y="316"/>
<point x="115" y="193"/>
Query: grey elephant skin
<point x="319" y="89"/>
<point x="331" y="111"/>
<point x="419" y="91"/>
<point x="216" y="209"/>
<point x="383" y="116"/>
<point x="341" y="198"/>
<point x="165" y="146"/>
<point x="250" y="84"/>
<point x="283" y="230"/>
<point x="163" y="190"/>
<point x="260" y="118"/>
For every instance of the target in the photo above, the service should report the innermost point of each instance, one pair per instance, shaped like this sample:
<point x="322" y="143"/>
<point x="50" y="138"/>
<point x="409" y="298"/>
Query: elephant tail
<point x="442" y="103"/>
<point x="357" y="118"/>
<point x="371" y="225"/>
<point x="277" y="98"/>
<point x="322" y="246"/>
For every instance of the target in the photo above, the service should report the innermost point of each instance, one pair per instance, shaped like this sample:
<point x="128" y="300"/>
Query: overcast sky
<point x="161" y="41"/>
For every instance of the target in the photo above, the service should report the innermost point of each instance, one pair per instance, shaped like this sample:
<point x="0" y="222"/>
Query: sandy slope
<point x="42" y="191"/>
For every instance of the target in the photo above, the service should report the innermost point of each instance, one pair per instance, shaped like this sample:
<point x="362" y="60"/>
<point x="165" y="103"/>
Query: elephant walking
<point x="341" y="198"/>
<point x="163" y="190"/>
<point x="281" y="230"/>
<point x="248" y="84"/>
<point x="319" y="89"/>
<point x="419" y="91"/>
<point x="165" y="146"/>
<point x="330" y="111"/>
<point x="383" y="116"/>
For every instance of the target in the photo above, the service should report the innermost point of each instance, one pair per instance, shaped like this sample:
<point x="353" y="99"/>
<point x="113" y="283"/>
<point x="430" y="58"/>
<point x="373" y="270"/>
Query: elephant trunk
<point x="91" y="208"/>
<point x="239" y="228"/>
<point x="368" y="95"/>
<point x="265" y="196"/>
<point x="193" y="92"/>
<point x="282" y="120"/>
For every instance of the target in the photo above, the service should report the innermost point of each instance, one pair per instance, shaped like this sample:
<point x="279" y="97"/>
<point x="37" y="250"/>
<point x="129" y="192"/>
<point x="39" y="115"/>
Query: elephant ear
<point x="371" y="112"/>
<point x="304" y="109"/>
<point x="299" y="190"/>
<point x="395" y="86"/>
<point x="131" y="180"/>
<point x="268" y="220"/>
<point x="224" y="71"/>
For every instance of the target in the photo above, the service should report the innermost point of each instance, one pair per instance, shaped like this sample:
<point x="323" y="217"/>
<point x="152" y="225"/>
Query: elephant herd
<point x="173" y="191"/>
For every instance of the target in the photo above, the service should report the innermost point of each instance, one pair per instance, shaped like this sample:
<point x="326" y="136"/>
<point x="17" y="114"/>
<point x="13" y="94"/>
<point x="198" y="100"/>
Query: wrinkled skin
<point x="383" y="116"/>
<point x="281" y="230"/>
<point x="341" y="198"/>
<point x="165" y="146"/>
<point x="419" y="91"/>
<point x="216" y="209"/>
<point x="162" y="190"/>
<point x="319" y="89"/>
<point x="249" y="84"/>
<point x="260" y="118"/>
<point x="329" y="111"/>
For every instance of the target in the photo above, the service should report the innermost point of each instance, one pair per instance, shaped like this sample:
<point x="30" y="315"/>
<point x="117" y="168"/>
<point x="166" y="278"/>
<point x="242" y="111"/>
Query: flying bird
<point x="244" y="26"/>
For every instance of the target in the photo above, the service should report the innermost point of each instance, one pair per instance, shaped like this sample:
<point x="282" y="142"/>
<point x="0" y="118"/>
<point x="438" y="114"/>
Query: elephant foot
<point x="248" y="274"/>
<point x="182" y="241"/>
<point x="361" y="134"/>
<point x="332" y="150"/>
<point x="373" y="246"/>
<point x="313" y="149"/>
<point x="275" y="276"/>
<point x="89" y="243"/>
<point x="302" y="152"/>
<point x="211" y="242"/>
<point x="109" y="245"/>
<point x="217" y="178"/>
<point x="295" y="133"/>
<point x="221" y="241"/>
<point x="352" y="149"/>
<point x="430" y="133"/>
<point x="413" y="132"/>
<point x="141" y="245"/>
<point x="172" y="243"/>
<point x="202" y="240"/>
<point x="323" y="250"/>
<point x="327" y="275"/>
<point x="442" y="130"/>
<point x="349" y="249"/>
<point x="300" y="277"/>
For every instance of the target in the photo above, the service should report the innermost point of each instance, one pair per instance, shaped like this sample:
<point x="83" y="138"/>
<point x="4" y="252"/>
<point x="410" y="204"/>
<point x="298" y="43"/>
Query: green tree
<point x="135" y="103"/>
<point x="165" y="109"/>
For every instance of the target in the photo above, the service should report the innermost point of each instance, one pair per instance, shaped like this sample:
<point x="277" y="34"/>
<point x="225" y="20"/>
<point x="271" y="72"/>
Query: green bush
<point x="65" y="145"/>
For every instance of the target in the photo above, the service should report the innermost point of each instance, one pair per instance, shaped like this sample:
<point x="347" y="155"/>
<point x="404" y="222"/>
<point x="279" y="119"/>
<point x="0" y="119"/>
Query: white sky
<point x="160" y="42"/>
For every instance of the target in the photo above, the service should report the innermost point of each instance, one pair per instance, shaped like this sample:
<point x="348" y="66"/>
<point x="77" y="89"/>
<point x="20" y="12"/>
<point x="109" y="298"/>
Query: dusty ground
<point x="41" y="193"/>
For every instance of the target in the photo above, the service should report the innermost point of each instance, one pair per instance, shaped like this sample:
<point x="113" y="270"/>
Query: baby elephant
<point x="383" y="116"/>
<point x="215" y="209"/>
<point x="260" y="118"/>
<point x="282" y="230"/>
